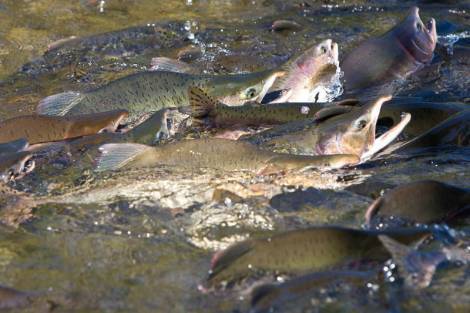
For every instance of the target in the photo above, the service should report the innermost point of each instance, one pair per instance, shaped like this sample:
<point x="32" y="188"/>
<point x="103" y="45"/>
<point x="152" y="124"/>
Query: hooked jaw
<point x="385" y="139"/>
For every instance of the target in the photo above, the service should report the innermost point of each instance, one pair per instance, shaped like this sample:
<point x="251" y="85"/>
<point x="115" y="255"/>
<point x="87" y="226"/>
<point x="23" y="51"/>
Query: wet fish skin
<point x="454" y="131"/>
<point x="425" y="114"/>
<point x="314" y="67"/>
<point x="333" y="132"/>
<point x="209" y="112"/>
<point x="125" y="42"/>
<point x="39" y="128"/>
<point x="269" y="296"/>
<point x="425" y="202"/>
<point x="302" y="251"/>
<point x="15" y="165"/>
<point x="152" y="91"/>
<point x="147" y="132"/>
<point x="402" y="50"/>
<point x="212" y="153"/>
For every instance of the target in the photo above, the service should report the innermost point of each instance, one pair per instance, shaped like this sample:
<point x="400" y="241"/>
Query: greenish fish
<point x="303" y="251"/>
<point x="15" y="165"/>
<point x="311" y="76"/>
<point x="212" y="153"/>
<point x="209" y="112"/>
<point x="41" y="128"/>
<point x="147" y="132"/>
<point x="155" y="90"/>
<point x="334" y="131"/>
<point x="425" y="202"/>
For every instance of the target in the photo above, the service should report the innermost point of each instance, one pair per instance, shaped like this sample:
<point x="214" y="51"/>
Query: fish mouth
<point x="115" y="124"/>
<point x="423" y="37"/>
<point x="386" y="138"/>
<point x="268" y="84"/>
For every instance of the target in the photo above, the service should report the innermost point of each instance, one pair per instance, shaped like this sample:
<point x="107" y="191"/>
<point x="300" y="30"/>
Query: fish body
<point x="454" y="131"/>
<point x="39" y="128"/>
<point x="334" y="131"/>
<point x="212" y="153"/>
<point x="424" y="202"/>
<point x="402" y="50"/>
<point x="126" y="42"/>
<point x="155" y="90"/>
<point x="301" y="251"/>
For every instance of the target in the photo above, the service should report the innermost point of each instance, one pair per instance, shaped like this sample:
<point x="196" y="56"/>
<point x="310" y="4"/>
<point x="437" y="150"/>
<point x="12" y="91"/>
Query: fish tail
<point x="202" y="106"/>
<point x="116" y="155"/>
<point x="170" y="65"/>
<point x="59" y="104"/>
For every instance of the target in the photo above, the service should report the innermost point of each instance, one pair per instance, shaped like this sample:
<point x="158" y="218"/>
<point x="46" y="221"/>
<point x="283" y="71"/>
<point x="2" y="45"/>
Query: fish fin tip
<point x="58" y="104"/>
<point x="201" y="103"/>
<point x="170" y="65"/>
<point x="116" y="155"/>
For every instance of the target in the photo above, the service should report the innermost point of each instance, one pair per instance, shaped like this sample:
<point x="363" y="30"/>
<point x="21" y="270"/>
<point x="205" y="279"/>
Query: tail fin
<point x="59" y="104"/>
<point x="171" y="65"/>
<point x="202" y="106"/>
<point x="116" y="155"/>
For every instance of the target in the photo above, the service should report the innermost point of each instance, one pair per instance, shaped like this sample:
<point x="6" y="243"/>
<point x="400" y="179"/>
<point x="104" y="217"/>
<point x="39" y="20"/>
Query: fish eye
<point x="28" y="166"/>
<point x="250" y="93"/>
<point x="419" y="27"/>
<point x="361" y="124"/>
<point x="323" y="49"/>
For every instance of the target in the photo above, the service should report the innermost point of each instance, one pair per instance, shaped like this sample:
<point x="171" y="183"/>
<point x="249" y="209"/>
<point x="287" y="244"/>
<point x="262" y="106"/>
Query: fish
<point x="426" y="115"/>
<point x="303" y="251"/>
<point x="211" y="113"/>
<point x="14" y="166"/>
<point x="148" y="132"/>
<point x="311" y="76"/>
<point x="425" y="202"/>
<point x="454" y="131"/>
<point x="402" y="50"/>
<point x="314" y="69"/>
<point x="333" y="131"/>
<point x="416" y="267"/>
<point x="13" y="146"/>
<point x="38" y="128"/>
<point x="214" y="153"/>
<point x="268" y="297"/>
<point x="126" y="42"/>
<point x="151" y="91"/>
<point x="13" y="299"/>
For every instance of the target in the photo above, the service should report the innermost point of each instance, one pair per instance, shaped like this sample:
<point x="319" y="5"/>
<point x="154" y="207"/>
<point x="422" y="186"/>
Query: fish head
<point x="16" y="166"/>
<point x="312" y="68"/>
<point x="241" y="88"/>
<point x="418" y="39"/>
<point x="353" y="132"/>
<point x="420" y="267"/>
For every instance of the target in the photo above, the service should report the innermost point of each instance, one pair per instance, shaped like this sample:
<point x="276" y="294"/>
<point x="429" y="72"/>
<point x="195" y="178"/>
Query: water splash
<point x="449" y="40"/>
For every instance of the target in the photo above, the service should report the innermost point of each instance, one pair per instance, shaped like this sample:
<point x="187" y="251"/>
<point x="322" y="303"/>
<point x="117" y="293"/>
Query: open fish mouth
<point x="20" y="169"/>
<point x="386" y="138"/>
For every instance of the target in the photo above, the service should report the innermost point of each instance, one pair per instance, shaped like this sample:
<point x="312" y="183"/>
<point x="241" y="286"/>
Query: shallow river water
<point x="142" y="240"/>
